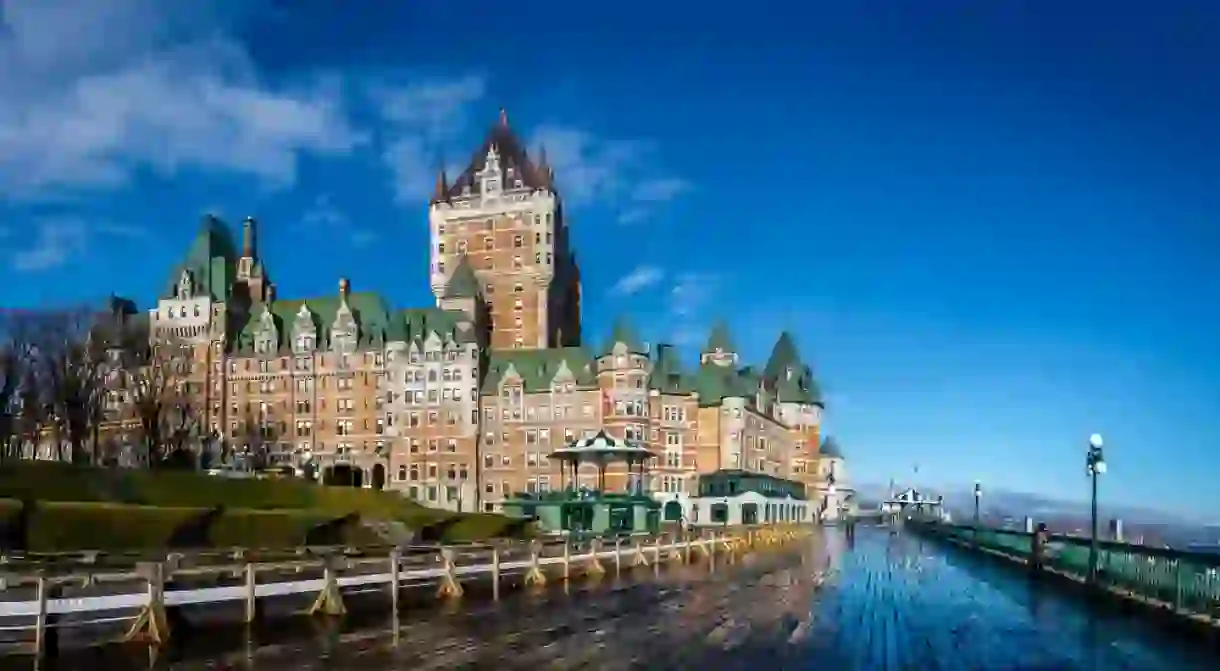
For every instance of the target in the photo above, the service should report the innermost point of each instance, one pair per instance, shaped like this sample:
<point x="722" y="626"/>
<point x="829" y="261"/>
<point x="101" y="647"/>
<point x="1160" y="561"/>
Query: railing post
<point x="594" y="568"/>
<point x="495" y="573"/>
<point x="251" y="593"/>
<point x="567" y="559"/>
<point x="618" y="556"/>
<point x="1177" y="584"/>
<point x="395" y="578"/>
<point x="449" y="587"/>
<point x="151" y="625"/>
<point x="535" y="576"/>
<point x="46" y="636"/>
<point x="330" y="599"/>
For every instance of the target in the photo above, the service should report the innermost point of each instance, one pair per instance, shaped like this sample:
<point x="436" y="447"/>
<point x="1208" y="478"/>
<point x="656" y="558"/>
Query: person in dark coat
<point x="1037" y="550"/>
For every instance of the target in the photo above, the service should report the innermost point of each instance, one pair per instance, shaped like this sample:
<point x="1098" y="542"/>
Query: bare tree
<point x="10" y="376"/>
<point x="257" y="434"/>
<point x="162" y="403"/>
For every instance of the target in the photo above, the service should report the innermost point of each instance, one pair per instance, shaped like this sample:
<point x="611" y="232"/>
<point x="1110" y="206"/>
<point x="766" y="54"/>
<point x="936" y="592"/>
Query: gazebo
<point x="601" y="450"/>
<point x="574" y="509"/>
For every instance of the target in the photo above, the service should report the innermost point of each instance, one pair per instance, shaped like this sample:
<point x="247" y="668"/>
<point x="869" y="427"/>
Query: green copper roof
<point x="623" y="332"/>
<point x="211" y="260"/>
<point x="783" y="355"/>
<point x="463" y="283"/>
<point x="714" y="383"/>
<point x="538" y="367"/>
<point x="667" y="376"/>
<point x="368" y="310"/>
<point x="830" y="448"/>
<point x="418" y="324"/>
<point x="720" y="339"/>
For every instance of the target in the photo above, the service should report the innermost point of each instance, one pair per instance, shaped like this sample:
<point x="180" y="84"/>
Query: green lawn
<point x="49" y="507"/>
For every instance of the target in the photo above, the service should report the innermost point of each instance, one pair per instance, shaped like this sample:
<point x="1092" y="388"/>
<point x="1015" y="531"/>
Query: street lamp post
<point x="978" y="495"/>
<point x="831" y="495"/>
<point x="1095" y="465"/>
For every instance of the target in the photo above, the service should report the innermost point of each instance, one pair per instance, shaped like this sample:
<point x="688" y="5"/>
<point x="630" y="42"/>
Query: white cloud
<point x="637" y="280"/>
<point x="634" y="215"/>
<point x="55" y="242"/>
<point x="587" y="168"/>
<point x="419" y="120"/>
<point x="323" y="214"/>
<point x="120" y="230"/>
<point x="78" y="111"/>
<point x="435" y="108"/>
<point x="412" y="164"/>
<point x="660" y="190"/>
<point x="691" y="292"/>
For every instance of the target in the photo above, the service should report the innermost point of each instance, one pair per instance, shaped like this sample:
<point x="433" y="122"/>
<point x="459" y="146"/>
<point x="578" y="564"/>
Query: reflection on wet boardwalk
<point x="887" y="602"/>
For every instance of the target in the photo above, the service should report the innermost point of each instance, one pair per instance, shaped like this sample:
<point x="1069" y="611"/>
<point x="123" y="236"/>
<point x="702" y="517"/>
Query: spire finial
<point x="442" y="185"/>
<point x="504" y="117"/>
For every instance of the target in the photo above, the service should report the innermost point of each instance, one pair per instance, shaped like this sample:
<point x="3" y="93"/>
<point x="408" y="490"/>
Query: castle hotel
<point x="458" y="405"/>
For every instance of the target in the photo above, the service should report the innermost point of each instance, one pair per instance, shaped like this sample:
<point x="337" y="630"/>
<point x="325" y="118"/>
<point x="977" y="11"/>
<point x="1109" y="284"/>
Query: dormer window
<point x="185" y="285"/>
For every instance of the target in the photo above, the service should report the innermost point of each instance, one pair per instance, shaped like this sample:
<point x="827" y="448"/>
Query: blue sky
<point x="993" y="226"/>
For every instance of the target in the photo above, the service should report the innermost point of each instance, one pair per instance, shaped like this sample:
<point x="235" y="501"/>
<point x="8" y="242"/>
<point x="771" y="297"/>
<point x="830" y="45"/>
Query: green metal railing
<point x="1188" y="581"/>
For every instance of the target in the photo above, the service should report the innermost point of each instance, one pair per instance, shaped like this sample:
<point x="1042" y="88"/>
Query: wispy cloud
<point x="79" y="112"/>
<point x="587" y="167"/>
<point x="637" y="280"/>
<point x="55" y="242"/>
<point x="323" y="214"/>
<point x="419" y="119"/>
<point x="691" y="292"/>
<point x="660" y="190"/>
<point x="120" y="230"/>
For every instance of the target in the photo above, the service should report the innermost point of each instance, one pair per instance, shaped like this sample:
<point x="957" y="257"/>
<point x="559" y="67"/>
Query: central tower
<point x="504" y="218"/>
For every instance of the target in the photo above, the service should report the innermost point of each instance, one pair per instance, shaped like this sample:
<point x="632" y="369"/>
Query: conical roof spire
<point x="503" y="117"/>
<point x="784" y="355"/>
<point x="463" y="283"/>
<point x="623" y="332"/>
<point x="720" y="339"/>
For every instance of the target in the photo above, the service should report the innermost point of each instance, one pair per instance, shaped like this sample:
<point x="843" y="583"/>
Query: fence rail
<point x="102" y="601"/>
<point x="1184" y="581"/>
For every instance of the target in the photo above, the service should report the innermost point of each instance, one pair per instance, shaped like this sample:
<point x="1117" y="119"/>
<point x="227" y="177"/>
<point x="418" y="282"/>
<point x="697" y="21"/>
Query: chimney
<point x="247" y="238"/>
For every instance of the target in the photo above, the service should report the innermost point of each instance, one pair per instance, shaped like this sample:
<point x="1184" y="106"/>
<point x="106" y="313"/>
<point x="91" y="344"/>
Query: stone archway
<point x="378" y="479"/>
<point x="673" y="511"/>
<point x="344" y="475"/>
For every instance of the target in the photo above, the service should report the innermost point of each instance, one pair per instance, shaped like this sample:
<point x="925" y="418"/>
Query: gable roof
<point x="513" y="156"/>
<point x="537" y="368"/>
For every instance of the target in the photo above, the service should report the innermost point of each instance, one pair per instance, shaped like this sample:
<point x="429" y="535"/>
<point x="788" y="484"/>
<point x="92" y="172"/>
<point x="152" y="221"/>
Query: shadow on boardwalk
<point x="891" y="602"/>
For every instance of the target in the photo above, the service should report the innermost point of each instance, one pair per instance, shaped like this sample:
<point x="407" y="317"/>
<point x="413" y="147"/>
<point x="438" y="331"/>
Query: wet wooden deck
<point x="887" y="603"/>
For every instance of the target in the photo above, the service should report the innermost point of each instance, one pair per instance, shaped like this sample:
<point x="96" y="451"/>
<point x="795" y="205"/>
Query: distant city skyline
<point x="993" y="226"/>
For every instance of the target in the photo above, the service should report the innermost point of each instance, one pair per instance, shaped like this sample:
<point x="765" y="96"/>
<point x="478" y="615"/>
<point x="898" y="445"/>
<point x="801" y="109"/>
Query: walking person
<point x="1037" y="550"/>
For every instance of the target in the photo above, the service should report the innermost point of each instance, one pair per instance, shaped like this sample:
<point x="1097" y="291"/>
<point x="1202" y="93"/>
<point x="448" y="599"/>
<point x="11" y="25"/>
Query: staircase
<point x="392" y="532"/>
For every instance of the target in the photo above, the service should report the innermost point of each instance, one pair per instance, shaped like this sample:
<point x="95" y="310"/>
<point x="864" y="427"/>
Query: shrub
<point x="58" y="526"/>
<point x="110" y="509"/>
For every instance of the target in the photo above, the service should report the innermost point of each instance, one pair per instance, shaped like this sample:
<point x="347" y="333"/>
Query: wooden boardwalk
<point x="883" y="603"/>
<point x="44" y="607"/>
